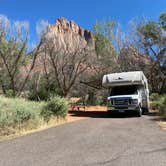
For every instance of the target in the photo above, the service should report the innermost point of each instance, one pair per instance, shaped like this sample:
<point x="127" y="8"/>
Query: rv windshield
<point x="124" y="90"/>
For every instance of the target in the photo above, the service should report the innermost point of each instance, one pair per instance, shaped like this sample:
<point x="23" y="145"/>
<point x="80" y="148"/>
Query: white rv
<point x="128" y="91"/>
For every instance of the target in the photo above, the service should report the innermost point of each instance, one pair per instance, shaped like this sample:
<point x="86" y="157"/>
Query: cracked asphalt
<point x="98" y="141"/>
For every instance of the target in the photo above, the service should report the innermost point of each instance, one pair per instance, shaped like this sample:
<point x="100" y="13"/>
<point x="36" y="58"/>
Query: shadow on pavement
<point x="152" y="114"/>
<point x="100" y="114"/>
<point x="156" y="116"/>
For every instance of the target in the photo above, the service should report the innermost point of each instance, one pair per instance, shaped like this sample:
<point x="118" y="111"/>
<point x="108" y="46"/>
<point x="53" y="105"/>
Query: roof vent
<point x="119" y="78"/>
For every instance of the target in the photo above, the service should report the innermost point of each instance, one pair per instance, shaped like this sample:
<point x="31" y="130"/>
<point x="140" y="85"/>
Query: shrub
<point x="101" y="100"/>
<point x="18" y="113"/>
<point x="56" y="106"/>
<point x="159" y="102"/>
<point x="93" y="99"/>
<point x="154" y="96"/>
<point x="161" y="105"/>
<point x="39" y="89"/>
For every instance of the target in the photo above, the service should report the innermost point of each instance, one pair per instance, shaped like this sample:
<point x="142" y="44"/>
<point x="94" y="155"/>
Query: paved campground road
<point x="97" y="141"/>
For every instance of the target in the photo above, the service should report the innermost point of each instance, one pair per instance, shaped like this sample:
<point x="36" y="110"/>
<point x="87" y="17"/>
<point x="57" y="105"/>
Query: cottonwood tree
<point x="153" y="40"/>
<point x="129" y="56"/>
<point x="67" y="58"/>
<point x="131" y="60"/>
<point x="142" y="47"/>
<point x="13" y="51"/>
<point x="106" y="60"/>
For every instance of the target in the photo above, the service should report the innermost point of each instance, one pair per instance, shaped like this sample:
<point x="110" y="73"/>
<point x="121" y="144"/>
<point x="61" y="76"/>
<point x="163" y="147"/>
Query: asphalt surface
<point x="97" y="141"/>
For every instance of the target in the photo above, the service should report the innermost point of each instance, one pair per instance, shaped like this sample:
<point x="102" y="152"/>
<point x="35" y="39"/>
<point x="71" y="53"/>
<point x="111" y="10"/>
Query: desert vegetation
<point x="17" y="115"/>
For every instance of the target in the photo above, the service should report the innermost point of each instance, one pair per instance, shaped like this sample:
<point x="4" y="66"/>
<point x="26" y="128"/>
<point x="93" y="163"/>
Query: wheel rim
<point x="140" y="111"/>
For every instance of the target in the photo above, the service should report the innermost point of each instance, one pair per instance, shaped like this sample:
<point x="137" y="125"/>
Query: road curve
<point x="90" y="142"/>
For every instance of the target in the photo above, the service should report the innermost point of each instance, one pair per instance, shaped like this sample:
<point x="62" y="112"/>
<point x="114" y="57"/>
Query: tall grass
<point x="19" y="114"/>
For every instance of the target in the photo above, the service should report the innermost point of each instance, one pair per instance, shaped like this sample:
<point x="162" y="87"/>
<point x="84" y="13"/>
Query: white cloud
<point x="21" y="25"/>
<point x="4" y="22"/>
<point x="41" y="26"/>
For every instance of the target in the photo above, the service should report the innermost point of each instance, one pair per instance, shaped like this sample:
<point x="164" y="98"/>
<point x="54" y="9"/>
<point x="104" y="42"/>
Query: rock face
<point x="68" y="35"/>
<point x="62" y="25"/>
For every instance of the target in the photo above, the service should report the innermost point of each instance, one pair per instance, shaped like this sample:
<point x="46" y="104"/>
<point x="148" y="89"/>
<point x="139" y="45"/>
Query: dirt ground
<point x="162" y="125"/>
<point x="88" y="112"/>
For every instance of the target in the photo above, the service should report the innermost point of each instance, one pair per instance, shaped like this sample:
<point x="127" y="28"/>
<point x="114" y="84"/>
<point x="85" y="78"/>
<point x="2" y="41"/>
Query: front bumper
<point x="124" y="108"/>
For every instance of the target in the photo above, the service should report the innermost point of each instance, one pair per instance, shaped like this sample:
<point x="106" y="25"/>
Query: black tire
<point x="139" y="113"/>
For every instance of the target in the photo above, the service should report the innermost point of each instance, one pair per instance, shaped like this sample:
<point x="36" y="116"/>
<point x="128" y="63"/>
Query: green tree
<point x="67" y="59"/>
<point x="163" y="20"/>
<point x="13" y="51"/>
<point x="153" y="40"/>
<point x="105" y="50"/>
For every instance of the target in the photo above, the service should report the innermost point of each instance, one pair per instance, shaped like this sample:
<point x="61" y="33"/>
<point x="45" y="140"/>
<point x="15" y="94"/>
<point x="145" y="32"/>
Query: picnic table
<point x="78" y="103"/>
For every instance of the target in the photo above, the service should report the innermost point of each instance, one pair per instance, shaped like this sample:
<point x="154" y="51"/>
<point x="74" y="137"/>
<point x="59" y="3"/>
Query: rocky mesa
<point x="67" y="34"/>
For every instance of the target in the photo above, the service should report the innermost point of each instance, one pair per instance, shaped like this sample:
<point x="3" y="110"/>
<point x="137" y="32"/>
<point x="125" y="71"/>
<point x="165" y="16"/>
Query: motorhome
<point x="128" y="92"/>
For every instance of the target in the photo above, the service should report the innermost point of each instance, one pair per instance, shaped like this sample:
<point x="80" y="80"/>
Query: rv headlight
<point x="134" y="101"/>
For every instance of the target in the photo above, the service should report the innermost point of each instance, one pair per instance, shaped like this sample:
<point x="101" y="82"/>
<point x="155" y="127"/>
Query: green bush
<point x="43" y="90"/>
<point x="9" y="93"/>
<point x="159" y="102"/>
<point x="101" y="100"/>
<point x="18" y="113"/>
<point x="94" y="99"/>
<point x="56" y="106"/>
<point x="154" y="96"/>
<point x="161" y="105"/>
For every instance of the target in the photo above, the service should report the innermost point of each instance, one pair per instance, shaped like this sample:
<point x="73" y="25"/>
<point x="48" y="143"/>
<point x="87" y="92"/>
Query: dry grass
<point x="162" y="124"/>
<point x="74" y="99"/>
<point x="96" y="108"/>
<point x="22" y="132"/>
<point x="53" y="122"/>
<point x="161" y="121"/>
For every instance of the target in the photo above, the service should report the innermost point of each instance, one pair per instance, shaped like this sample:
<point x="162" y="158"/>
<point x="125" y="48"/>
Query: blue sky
<point x="83" y="12"/>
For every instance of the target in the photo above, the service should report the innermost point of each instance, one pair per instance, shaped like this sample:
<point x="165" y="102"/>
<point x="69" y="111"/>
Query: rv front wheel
<point x="139" y="113"/>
